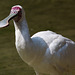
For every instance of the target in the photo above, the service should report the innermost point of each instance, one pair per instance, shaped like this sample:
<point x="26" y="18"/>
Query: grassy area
<point x="54" y="15"/>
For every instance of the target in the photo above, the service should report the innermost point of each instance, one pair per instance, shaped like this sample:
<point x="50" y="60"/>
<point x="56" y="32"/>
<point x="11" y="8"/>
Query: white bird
<point x="46" y="51"/>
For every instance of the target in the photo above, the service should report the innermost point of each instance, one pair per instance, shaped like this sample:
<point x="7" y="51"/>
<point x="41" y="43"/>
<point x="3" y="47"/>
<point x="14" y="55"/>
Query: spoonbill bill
<point x="46" y="51"/>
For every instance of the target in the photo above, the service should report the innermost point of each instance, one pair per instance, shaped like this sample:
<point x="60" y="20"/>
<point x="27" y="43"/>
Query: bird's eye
<point x="14" y="12"/>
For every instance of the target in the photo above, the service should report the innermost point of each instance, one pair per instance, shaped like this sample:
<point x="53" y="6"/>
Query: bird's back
<point x="58" y="50"/>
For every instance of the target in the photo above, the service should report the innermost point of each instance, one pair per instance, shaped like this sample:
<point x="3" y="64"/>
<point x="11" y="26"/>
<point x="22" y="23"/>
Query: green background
<point x="54" y="15"/>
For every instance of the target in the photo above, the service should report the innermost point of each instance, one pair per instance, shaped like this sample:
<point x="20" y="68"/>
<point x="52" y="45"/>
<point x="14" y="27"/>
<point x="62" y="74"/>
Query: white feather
<point x="46" y="51"/>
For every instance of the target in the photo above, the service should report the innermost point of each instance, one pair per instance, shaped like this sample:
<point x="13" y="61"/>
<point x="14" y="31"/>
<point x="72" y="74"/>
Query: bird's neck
<point x="22" y="28"/>
<point x="23" y="40"/>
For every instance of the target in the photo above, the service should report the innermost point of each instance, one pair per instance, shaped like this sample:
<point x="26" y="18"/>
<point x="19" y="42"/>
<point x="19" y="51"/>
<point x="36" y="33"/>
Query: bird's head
<point x="16" y="13"/>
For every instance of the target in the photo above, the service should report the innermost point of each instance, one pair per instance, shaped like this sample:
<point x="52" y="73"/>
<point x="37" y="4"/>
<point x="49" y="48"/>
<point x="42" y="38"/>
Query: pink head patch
<point x="15" y="9"/>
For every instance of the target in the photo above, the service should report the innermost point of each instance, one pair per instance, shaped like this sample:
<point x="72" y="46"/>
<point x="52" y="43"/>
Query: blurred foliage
<point x="54" y="15"/>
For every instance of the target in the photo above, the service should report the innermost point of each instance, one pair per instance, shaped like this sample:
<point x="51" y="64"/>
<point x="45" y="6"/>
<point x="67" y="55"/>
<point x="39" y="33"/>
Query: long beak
<point x="5" y="22"/>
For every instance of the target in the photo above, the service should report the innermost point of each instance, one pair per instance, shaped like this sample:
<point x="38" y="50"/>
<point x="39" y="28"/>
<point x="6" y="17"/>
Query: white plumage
<point x="46" y="51"/>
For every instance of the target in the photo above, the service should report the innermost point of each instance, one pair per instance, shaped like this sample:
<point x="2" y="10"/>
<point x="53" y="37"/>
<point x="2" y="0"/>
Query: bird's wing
<point x="58" y="49"/>
<point x="63" y="50"/>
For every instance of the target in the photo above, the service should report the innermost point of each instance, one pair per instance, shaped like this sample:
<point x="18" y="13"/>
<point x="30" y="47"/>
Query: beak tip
<point x="5" y="22"/>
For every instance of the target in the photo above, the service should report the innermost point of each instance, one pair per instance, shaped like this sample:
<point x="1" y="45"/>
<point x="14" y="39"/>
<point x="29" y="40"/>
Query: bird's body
<point x="46" y="51"/>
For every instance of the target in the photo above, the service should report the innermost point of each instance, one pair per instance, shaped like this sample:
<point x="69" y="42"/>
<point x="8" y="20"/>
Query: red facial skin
<point x="19" y="15"/>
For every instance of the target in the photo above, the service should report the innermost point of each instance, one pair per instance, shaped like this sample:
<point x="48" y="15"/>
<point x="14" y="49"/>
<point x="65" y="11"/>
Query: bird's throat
<point x="23" y="41"/>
